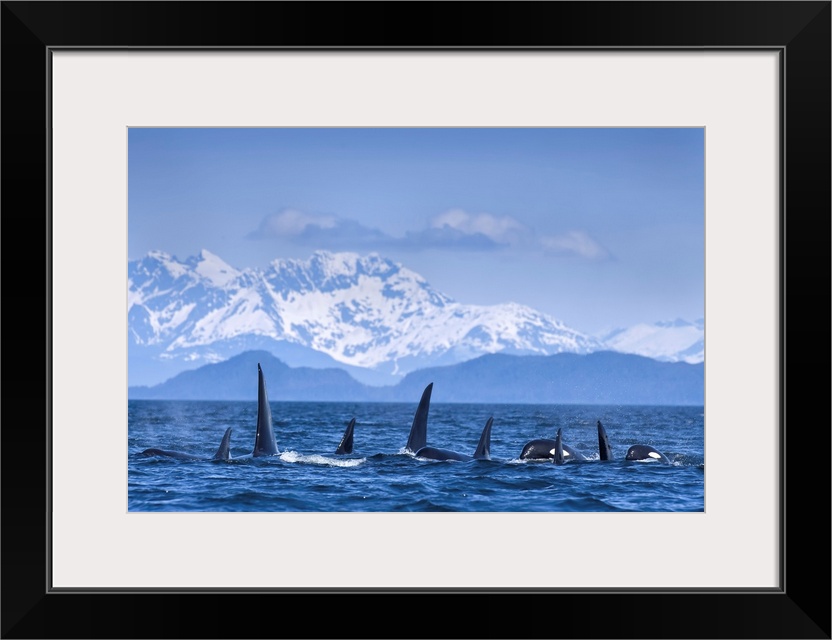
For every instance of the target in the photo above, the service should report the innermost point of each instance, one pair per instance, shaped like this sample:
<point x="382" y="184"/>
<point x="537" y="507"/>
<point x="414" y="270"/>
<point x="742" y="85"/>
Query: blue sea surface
<point x="379" y="476"/>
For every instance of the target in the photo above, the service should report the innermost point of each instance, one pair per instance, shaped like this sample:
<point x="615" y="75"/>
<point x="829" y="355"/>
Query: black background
<point x="799" y="609"/>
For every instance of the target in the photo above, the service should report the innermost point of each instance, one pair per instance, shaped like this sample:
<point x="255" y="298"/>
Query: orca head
<point x="544" y="449"/>
<point x="537" y="449"/>
<point x="645" y="452"/>
<point x="568" y="452"/>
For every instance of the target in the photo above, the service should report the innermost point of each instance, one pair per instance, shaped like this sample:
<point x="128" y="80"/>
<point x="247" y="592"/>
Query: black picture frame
<point x="799" y="608"/>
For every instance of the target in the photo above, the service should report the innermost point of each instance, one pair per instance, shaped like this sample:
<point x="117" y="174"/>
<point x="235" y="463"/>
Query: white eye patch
<point x="653" y="454"/>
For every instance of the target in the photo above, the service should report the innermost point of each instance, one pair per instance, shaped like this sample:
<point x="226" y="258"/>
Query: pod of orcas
<point x="554" y="450"/>
<point x="265" y="443"/>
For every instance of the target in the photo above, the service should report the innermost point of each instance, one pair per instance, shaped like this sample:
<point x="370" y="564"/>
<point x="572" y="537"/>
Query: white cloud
<point x="500" y="229"/>
<point x="455" y="229"/>
<point x="290" y="222"/>
<point x="576" y="243"/>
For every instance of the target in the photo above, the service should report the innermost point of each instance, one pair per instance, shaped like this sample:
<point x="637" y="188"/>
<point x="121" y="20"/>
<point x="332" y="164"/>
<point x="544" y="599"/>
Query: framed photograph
<point x="447" y="336"/>
<point x="644" y="143"/>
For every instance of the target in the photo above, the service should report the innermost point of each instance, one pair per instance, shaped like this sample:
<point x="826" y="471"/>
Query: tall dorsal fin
<point x="224" y="452"/>
<point x="346" y="441"/>
<point x="419" y="429"/>
<point x="604" y="449"/>
<point x="264" y="442"/>
<point x="483" y="451"/>
<point x="558" y="457"/>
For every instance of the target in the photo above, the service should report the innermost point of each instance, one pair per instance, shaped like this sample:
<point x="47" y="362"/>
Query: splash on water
<point x="295" y="457"/>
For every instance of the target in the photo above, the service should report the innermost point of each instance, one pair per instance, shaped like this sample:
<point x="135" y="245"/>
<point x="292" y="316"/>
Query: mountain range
<point x="363" y="315"/>
<point x="602" y="377"/>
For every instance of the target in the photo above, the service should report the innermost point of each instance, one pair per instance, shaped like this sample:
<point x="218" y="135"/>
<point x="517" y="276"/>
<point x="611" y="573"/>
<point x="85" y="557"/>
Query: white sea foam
<point x="295" y="457"/>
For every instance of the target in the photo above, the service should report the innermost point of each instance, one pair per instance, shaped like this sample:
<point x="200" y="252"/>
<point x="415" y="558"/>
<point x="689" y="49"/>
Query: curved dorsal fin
<point x="264" y="442"/>
<point x="604" y="449"/>
<point x="419" y="429"/>
<point x="346" y="442"/>
<point x="224" y="452"/>
<point x="483" y="451"/>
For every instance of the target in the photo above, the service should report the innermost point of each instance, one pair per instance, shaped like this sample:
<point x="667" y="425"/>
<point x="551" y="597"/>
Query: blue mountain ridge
<point x="602" y="377"/>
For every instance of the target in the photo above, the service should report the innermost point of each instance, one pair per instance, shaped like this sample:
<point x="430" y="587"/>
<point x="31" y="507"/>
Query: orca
<point x="418" y="437"/>
<point x="345" y="445"/>
<point x="223" y="453"/>
<point x="604" y="448"/>
<point x="264" y="442"/>
<point x="544" y="449"/>
<point x="482" y="452"/>
<point x="645" y="452"/>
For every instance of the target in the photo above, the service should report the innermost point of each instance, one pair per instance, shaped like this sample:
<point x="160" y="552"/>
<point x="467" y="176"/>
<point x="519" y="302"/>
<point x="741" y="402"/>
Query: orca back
<point x="435" y="453"/>
<point x="179" y="455"/>
<point x="168" y="454"/>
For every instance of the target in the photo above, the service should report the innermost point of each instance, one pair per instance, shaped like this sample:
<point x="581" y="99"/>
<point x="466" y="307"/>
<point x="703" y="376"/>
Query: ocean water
<point x="380" y="477"/>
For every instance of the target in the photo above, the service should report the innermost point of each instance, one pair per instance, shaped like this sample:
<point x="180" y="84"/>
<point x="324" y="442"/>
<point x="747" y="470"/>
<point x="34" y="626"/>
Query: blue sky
<point x="600" y="228"/>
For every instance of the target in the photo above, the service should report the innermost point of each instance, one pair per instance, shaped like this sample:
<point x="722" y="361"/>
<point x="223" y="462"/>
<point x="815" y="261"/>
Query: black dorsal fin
<point x="264" y="442"/>
<point x="346" y="442"/>
<point x="483" y="451"/>
<point x="224" y="452"/>
<point x="558" y="457"/>
<point x="419" y="429"/>
<point x="604" y="449"/>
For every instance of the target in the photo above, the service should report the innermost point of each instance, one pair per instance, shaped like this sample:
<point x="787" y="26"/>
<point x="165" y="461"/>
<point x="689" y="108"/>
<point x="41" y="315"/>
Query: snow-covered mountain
<point x="673" y="341"/>
<point x="368" y="315"/>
